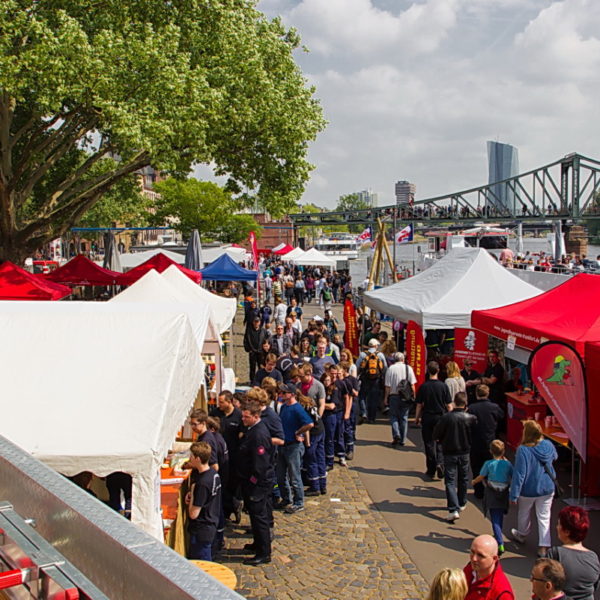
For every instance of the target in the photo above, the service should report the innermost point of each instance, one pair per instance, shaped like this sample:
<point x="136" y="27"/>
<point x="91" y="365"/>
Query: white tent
<point x="314" y="258"/>
<point x="155" y="289"/>
<point x="211" y="254"/>
<point x="444" y="295"/>
<point x="99" y="387"/>
<point x="223" y="309"/>
<point x="129" y="261"/>
<point x="293" y="254"/>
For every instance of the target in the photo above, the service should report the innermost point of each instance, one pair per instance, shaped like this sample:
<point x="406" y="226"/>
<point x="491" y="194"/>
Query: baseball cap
<point x="373" y="343"/>
<point x="285" y="388"/>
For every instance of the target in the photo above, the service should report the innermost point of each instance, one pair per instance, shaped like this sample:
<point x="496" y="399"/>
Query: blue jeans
<point x="289" y="461"/>
<point x="314" y="463"/>
<point x="399" y="410"/>
<point x="456" y="478"/>
<point x="199" y="550"/>
<point x="497" y="519"/>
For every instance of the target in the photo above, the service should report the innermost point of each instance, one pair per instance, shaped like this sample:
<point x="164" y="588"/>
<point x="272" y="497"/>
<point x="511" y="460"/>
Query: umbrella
<point x="112" y="260"/>
<point x="193" y="254"/>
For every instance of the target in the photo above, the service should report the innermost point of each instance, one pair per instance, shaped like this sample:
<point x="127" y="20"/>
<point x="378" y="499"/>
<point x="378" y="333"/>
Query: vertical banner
<point x="351" y="328"/>
<point x="254" y="250"/>
<point x="557" y="373"/>
<point x="416" y="353"/>
<point x="472" y="344"/>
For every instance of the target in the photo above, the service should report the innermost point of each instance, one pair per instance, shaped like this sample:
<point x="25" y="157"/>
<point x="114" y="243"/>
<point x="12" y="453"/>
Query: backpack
<point x="404" y="389"/>
<point x="326" y="295"/>
<point x="371" y="366"/>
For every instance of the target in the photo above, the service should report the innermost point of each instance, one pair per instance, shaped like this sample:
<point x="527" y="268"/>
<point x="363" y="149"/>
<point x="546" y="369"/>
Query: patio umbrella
<point x="193" y="254"/>
<point x="112" y="260"/>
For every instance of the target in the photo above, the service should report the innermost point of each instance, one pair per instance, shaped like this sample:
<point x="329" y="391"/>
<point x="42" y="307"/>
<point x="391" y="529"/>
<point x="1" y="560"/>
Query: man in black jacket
<point x="256" y="474"/>
<point x="254" y="338"/>
<point x="489" y="416"/>
<point x="453" y="431"/>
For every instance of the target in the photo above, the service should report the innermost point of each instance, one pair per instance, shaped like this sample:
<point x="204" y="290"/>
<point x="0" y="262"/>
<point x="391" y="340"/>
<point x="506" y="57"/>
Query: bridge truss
<point x="568" y="189"/>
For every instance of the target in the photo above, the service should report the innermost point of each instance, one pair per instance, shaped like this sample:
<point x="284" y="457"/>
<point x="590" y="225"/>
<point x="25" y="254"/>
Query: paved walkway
<point x="340" y="547"/>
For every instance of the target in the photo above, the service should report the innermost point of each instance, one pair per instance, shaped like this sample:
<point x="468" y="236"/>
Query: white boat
<point x="339" y="246"/>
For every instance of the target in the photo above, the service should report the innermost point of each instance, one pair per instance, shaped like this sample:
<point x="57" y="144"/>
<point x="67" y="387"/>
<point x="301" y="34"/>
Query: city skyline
<point x="413" y="89"/>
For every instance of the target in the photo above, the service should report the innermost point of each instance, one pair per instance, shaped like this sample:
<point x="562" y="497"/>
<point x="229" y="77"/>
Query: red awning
<point x="159" y="262"/>
<point x="82" y="271"/>
<point x="287" y="248"/>
<point x="568" y="313"/>
<point x="18" y="284"/>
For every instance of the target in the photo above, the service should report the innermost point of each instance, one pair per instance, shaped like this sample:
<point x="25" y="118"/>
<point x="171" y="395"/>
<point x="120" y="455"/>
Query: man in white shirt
<point x="399" y="396"/>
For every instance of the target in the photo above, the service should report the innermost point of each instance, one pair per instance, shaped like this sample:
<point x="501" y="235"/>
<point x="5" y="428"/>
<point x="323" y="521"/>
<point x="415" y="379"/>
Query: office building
<point x="405" y="192"/>
<point x="369" y="197"/>
<point x="503" y="163"/>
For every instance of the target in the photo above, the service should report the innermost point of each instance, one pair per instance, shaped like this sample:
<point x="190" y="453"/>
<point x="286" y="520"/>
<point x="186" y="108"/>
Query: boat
<point x="339" y="245"/>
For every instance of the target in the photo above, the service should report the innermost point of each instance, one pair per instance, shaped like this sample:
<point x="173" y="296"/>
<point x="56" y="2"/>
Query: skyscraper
<point x="405" y="192"/>
<point x="368" y="196"/>
<point x="503" y="163"/>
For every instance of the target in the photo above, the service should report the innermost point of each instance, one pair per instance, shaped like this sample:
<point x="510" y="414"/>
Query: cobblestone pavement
<point x="339" y="547"/>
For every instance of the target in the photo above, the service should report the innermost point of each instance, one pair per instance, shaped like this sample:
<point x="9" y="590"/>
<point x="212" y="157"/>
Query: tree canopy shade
<point x="93" y="90"/>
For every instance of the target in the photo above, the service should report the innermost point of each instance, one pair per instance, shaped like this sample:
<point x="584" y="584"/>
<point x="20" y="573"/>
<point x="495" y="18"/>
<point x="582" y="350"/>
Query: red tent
<point x="159" y="262"/>
<point x="18" y="284"/>
<point x="568" y="313"/>
<point x="590" y="479"/>
<point x="287" y="248"/>
<point x="82" y="271"/>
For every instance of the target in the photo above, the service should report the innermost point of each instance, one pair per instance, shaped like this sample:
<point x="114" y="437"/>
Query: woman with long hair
<point x="329" y="418"/>
<point x="389" y="349"/>
<point x="454" y="380"/>
<point x="532" y="485"/>
<point x="346" y="356"/>
<point x="305" y="348"/>
<point x="265" y="349"/>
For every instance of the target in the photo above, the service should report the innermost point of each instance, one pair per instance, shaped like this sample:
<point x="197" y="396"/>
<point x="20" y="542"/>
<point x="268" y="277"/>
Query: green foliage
<point x="191" y="204"/>
<point x="167" y="84"/>
<point x="351" y="202"/>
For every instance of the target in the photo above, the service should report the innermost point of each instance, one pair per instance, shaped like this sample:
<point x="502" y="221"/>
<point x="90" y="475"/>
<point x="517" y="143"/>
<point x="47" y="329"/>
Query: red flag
<point x="415" y="351"/>
<point x="557" y="373"/>
<point x="351" y="328"/>
<point x="254" y="250"/>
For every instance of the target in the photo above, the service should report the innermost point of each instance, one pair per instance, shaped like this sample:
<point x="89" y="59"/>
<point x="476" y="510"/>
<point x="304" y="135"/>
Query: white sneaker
<point x="462" y="508"/>
<point x="452" y="516"/>
<point x="517" y="536"/>
<point x="343" y="462"/>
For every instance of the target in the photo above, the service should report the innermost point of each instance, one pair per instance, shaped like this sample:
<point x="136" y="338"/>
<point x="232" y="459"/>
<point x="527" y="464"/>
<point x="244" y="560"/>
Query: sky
<point x="412" y="90"/>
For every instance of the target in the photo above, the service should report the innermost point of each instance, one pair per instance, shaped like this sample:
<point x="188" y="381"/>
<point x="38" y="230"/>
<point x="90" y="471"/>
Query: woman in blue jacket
<point x="532" y="486"/>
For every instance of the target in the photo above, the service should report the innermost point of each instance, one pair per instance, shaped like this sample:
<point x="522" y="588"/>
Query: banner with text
<point x="471" y="344"/>
<point x="351" y="328"/>
<point x="254" y="250"/>
<point x="557" y="373"/>
<point x="416" y="353"/>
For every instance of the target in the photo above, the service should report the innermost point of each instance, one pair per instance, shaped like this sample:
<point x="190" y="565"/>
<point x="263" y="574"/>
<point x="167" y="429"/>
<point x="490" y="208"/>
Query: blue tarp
<point x="225" y="268"/>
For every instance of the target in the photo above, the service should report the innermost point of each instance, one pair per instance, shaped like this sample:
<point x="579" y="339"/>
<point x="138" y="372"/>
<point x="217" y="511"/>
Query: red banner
<point x="351" y="328"/>
<point x="557" y="373"/>
<point x="416" y="353"/>
<point x="472" y="344"/>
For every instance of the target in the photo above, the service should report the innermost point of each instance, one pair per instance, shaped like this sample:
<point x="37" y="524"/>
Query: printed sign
<point x="557" y="372"/>
<point x="416" y="352"/>
<point x="471" y="344"/>
<point x="351" y="328"/>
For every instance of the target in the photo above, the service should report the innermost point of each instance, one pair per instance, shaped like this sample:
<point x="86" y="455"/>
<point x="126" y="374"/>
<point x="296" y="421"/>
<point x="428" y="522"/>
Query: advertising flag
<point x="416" y="353"/>
<point x="405" y="235"/>
<point x="254" y="250"/>
<point x="557" y="373"/>
<point x="351" y="328"/>
<point x="365" y="235"/>
<point x="471" y="344"/>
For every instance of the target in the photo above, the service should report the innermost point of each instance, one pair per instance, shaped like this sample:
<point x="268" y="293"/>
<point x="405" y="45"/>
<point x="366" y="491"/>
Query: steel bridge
<point x="568" y="190"/>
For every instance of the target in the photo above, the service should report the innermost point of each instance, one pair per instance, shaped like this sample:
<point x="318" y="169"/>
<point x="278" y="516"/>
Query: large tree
<point x="166" y="83"/>
<point x="202" y="205"/>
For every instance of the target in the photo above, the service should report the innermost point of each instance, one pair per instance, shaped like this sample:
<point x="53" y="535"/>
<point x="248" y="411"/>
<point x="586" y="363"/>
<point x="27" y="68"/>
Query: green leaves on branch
<point x="191" y="204"/>
<point x="167" y="84"/>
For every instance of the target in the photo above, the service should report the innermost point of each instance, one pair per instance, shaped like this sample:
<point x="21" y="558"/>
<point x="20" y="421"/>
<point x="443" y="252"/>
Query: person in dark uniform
<point x="256" y="475"/>
<point x="472" y="378"/>
<point x="433" y="401"/>
<point x="493" y="377"/>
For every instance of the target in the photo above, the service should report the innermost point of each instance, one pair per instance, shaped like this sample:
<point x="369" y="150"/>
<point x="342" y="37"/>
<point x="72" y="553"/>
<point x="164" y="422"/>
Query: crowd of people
<point x="270" y="447"/>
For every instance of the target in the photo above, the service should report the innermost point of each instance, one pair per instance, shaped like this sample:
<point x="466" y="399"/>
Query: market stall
<point x="444" y="295"/>
<point x="314" y="258"/>
<point x="293" y="254"/>
<point x="159" y="262"/>
<point x="18" y="284"/>
<point x="225" y="268"/>
<point x="80" y="270"/>
<point x="101" y="387"/>
<point x="134" y="259"/>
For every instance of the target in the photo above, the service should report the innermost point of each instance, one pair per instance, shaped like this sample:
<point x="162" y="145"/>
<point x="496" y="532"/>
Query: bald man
<point x="484" y="572"/>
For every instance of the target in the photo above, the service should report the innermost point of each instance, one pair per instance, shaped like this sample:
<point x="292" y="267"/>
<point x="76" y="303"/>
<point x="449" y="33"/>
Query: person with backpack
<point x="326" y="296"/>
<point x="399" y="395"/>
<point x="371" y="373"/>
